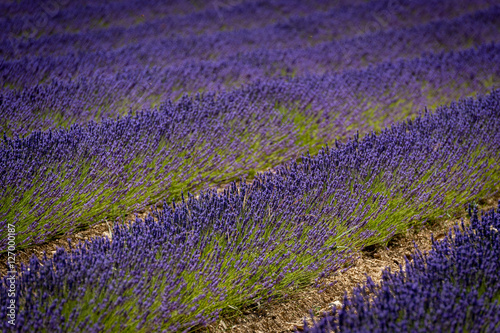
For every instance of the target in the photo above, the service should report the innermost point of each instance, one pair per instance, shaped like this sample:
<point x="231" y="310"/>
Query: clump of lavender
<point x="456" y="287"/>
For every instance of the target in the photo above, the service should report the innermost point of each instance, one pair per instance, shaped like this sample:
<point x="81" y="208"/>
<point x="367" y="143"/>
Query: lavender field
<point x="332" y="126"/>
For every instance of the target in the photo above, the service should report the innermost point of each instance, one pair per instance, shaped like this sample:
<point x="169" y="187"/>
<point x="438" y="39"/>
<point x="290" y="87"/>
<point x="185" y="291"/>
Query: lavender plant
<point x="456" y="287"/>
<point x="183" y="265"/>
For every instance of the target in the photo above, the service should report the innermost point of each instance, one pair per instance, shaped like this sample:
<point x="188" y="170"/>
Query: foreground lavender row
<point x="62" y="179"/>
<point x="100" y="90"/>
<point x="183" y="266"/>
<point x="455" y="288"/>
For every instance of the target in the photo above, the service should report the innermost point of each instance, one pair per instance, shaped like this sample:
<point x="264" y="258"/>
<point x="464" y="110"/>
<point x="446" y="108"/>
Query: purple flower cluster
<point x="183" y="265"/>
<point x="57" y="180"/>
<point x="456" y="287"/>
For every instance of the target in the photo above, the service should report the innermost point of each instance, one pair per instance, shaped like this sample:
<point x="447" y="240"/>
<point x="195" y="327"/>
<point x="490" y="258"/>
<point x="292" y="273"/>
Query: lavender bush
<point x="456" y="287"/>
<point x="183" y="265"/>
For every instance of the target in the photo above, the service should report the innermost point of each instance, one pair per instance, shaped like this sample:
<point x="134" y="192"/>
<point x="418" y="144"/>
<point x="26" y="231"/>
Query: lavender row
<point x="455" y="287"/>
<point x="96" y="93"/>
<point x="161" y="18"/>
<point x="182" y="266"/>
<point x="146" y="44"/>
<point x="56" y="181"/>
